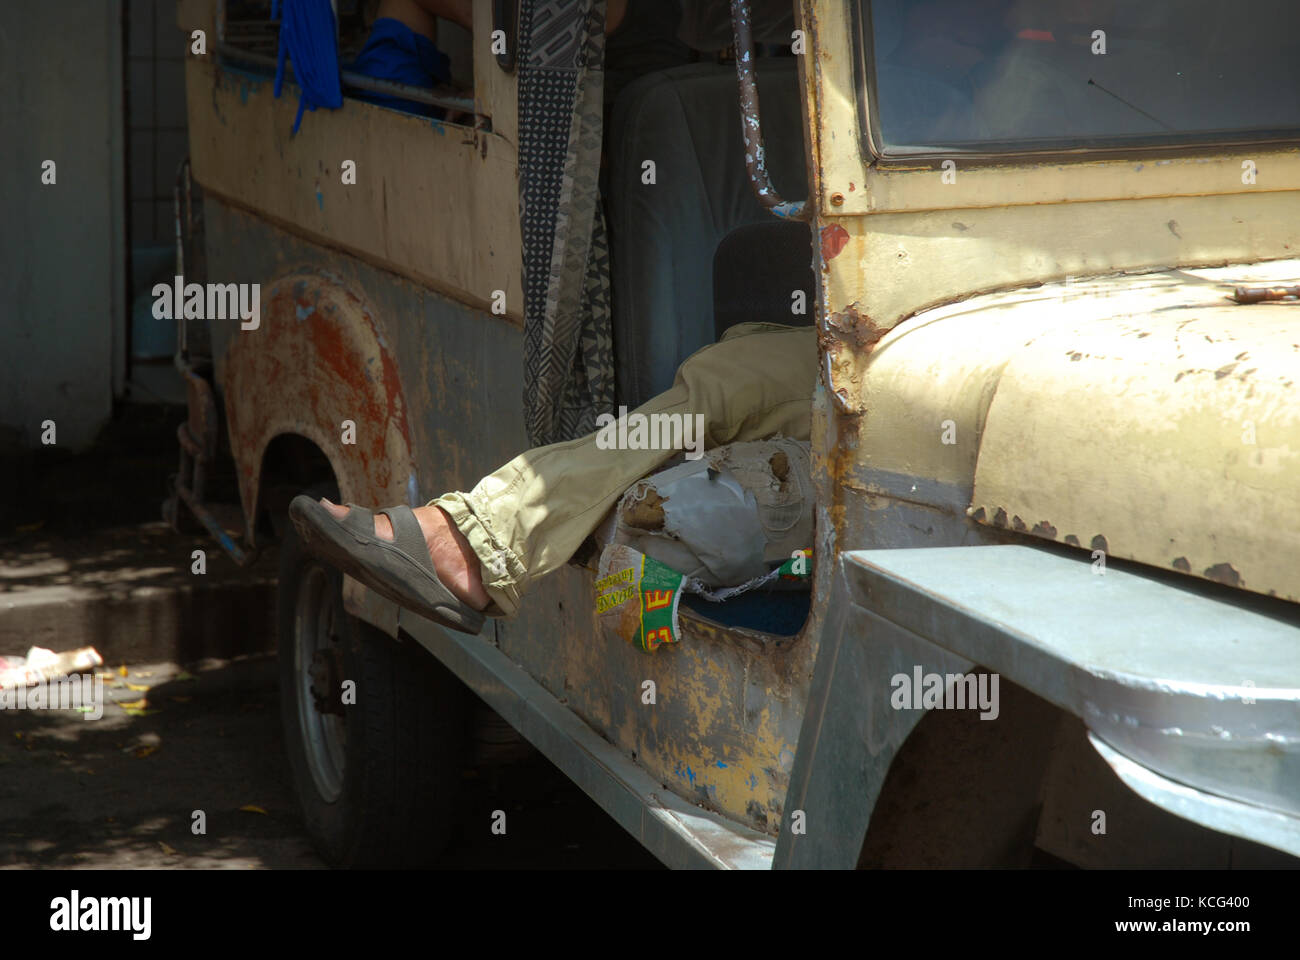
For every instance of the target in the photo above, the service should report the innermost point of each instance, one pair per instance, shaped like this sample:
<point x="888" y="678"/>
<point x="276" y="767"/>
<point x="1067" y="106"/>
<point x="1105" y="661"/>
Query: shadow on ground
<point x="121" y="792"/>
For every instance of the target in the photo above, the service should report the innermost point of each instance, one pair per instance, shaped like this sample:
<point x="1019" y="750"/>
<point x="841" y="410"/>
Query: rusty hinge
<point x="1260" y="294"/>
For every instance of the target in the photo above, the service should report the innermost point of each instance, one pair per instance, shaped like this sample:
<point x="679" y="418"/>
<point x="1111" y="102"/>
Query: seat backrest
<point x="763" y="273"/>
<point x="664" y="233"/>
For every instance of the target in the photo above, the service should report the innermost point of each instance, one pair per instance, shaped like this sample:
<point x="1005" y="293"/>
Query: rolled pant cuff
<point x="501" y="569"/>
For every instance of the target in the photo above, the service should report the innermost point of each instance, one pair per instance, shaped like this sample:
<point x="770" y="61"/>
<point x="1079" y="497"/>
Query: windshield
<point x="1014" y="75"/>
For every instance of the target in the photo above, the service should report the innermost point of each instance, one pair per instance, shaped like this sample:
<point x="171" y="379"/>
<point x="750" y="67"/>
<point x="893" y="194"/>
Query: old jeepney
<point x="1055" y="441"/>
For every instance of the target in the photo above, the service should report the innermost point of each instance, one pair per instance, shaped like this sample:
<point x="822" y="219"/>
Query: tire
<point x="377" y="779"/>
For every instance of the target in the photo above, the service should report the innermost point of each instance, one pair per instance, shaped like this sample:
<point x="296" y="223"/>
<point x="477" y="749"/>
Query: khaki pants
<point x="530" y="516"/>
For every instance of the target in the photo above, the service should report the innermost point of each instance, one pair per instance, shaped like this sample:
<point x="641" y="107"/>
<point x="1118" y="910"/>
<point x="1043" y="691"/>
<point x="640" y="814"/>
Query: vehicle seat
<point x="756" y="271"/>
<point x="663" y="235"/>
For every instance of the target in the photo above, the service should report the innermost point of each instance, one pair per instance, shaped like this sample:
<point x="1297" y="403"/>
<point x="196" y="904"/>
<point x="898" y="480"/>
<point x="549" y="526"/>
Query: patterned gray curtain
<point x="568" y="348"/>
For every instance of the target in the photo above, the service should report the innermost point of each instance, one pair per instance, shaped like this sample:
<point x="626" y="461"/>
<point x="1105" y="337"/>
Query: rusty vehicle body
<point x="1046" y="445"/>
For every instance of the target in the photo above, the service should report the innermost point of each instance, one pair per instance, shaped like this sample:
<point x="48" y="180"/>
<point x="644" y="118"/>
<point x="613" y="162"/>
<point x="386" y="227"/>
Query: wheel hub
<point x="326" y="675"/>
<point x="318" y="662"/>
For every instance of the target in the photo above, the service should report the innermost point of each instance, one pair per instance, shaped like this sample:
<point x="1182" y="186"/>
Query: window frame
<point x="1012" y="152"/>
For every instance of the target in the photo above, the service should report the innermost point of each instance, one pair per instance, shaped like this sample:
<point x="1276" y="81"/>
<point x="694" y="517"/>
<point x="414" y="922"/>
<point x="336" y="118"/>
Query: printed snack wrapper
<point x="798" y="567"/>
<point x="637" y="597"/>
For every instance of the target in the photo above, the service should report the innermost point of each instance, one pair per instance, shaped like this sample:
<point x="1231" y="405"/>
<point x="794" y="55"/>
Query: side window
<point x="400" y="56"/>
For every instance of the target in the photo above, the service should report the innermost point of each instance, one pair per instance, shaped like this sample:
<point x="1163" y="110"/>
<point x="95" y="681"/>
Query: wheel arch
<point x="316" y="361"/>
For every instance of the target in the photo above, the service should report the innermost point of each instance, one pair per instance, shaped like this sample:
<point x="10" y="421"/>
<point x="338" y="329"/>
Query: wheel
<point x="376" y="763"/>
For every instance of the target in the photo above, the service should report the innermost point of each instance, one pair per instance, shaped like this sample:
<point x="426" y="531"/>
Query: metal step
<point x="679" y="833"/>
<point x="1196" y="683"/>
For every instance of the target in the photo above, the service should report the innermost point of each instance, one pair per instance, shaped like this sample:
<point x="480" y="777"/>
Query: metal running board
<point x="1197" y="684"/>
<point x="679" y="833"/>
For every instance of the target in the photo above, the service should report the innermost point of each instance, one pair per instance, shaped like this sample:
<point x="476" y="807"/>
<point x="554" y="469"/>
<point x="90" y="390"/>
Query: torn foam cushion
<point x="725" y="519"/>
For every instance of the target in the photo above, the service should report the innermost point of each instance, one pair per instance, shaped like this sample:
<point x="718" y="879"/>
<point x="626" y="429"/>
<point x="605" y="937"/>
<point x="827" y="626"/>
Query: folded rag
<point x="395" y="52"/>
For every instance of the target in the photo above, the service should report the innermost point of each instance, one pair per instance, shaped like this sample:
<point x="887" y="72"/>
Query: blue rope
<point x="308" y="37"/>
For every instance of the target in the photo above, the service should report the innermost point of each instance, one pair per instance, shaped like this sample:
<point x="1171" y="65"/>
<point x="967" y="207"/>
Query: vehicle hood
<point x="1144" y="415"/>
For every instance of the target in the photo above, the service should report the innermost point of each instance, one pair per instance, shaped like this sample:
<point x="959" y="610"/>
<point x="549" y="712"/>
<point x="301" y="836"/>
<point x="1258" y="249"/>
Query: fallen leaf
<point x="134" y="704"/>
<point x="18" y="734"/>
<point x="121" y="671"/>
<point x="147" y="673"/>
<point x="140" y="713"/>
<point x="181" y="699"/>
<point x="84" y="709"/>
<point x="144" y="751"/>
<point x="137" y="686"/>
<point x="170" y="851"/>
<point x="183" y="676"/>
<point x="252" y="808"/>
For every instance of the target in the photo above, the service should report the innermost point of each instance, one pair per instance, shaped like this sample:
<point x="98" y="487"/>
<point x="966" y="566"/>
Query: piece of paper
<point x="637" y="597"/>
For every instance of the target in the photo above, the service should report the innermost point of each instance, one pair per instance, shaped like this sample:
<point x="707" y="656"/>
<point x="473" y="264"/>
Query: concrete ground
<point x="192" y="721"/>
<point x="121" y="792"/>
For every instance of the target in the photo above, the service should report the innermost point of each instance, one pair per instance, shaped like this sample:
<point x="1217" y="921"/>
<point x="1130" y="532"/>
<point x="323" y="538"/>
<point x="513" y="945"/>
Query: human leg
<point x="530" y="516"/>
<point x="526" y="519"/>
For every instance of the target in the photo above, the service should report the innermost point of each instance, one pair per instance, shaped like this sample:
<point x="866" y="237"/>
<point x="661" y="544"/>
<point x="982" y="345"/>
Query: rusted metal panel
<point x="1156" y="421"/>
<point x="728" y="704"/>
<point x="1084" y="377"/>
<point x="316" y="362"/>
<point x="461" y="424"/>
<point x="893" y="265"/>
<point x="1263" y="294"/>
<point x="678" y="833"/>
<point x="403" y="211"/>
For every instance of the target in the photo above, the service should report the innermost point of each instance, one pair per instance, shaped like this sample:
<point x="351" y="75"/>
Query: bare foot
<point x="457" y="565"/>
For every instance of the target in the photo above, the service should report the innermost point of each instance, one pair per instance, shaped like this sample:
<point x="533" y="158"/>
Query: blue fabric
<point x="309" y="38"/>
<point x="395" y="52"/>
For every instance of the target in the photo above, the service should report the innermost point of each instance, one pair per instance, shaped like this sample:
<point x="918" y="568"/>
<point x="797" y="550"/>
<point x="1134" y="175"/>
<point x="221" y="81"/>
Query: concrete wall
<point x="62" y="246"/>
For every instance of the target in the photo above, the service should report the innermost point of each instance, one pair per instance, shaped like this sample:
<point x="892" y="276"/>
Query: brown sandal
<point x="398" y="569"/>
